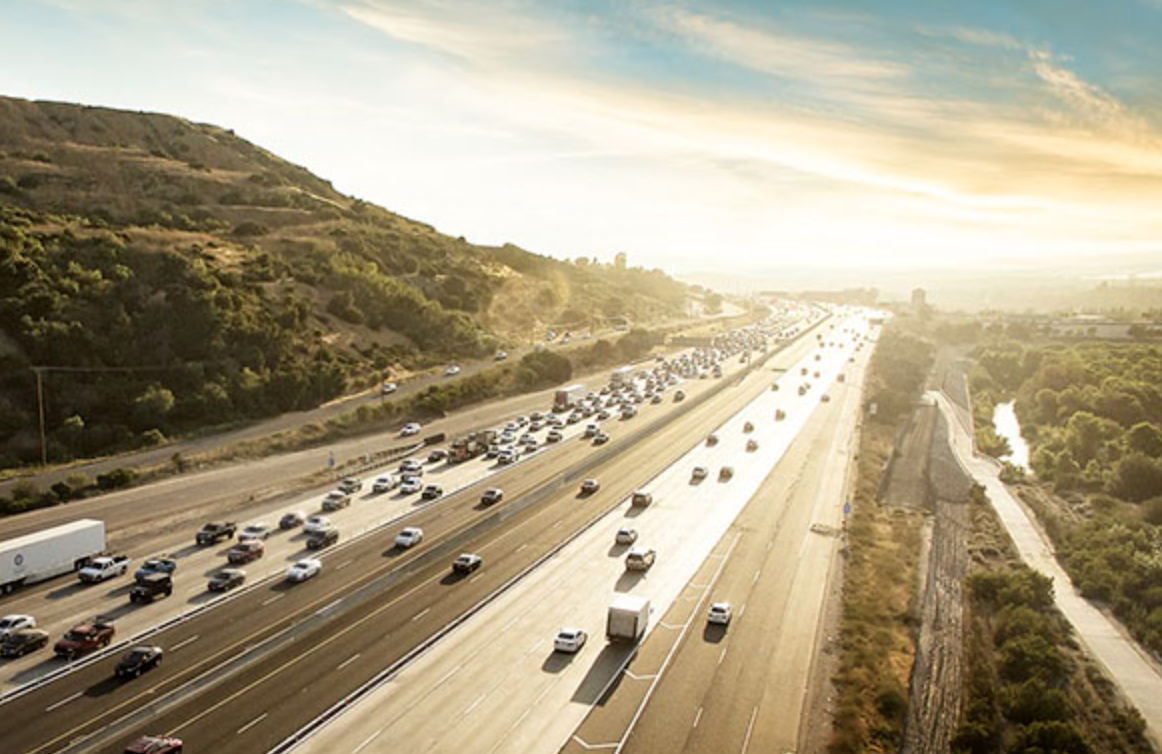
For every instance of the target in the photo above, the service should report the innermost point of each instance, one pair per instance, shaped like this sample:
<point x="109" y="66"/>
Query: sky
<point x="736" y="135"/>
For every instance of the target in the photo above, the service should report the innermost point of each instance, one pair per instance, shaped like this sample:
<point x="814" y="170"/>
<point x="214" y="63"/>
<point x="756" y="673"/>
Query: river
<point x="1005" y="420"/>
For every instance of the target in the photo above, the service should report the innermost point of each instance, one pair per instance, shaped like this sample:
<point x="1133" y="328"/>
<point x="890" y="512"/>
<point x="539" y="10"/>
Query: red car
<point x="155" y="745"/>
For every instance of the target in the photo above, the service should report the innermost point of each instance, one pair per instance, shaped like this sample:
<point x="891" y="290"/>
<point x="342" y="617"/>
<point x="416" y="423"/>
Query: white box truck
<point x="44" y="554"/>
<point x="621" y="376"/>
<point x="627" y="619"/>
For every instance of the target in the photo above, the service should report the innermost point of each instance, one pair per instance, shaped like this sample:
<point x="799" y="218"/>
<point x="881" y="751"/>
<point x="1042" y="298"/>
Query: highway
<point x="745" y="687"/>
<point x="371" y="605"/>
<point x="497" y="685"/>
<point x="141" y="519"/>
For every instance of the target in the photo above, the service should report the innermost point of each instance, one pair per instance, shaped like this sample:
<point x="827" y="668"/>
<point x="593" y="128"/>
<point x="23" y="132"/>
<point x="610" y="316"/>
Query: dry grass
<point x="877" y="633"/>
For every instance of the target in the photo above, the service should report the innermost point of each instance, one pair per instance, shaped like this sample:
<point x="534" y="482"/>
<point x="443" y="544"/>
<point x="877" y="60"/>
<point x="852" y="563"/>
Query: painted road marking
<point x="63" y="702"/>
<point x="348" y="661"/>
<point x="184" y="642"/>
<point x="252" y="723"/>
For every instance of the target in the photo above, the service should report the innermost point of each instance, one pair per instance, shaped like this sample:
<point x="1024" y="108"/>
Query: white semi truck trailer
<point x="44" y="554"/>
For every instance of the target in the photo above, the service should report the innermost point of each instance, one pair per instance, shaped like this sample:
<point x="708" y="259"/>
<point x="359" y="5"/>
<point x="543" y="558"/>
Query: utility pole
<point x="40" y="408"/>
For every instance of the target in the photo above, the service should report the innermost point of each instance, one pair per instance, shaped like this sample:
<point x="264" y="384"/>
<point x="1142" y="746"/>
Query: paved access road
<point x="496" y="685"/>
<point x="246" y="673"/>
<point x="1139" y="678"/>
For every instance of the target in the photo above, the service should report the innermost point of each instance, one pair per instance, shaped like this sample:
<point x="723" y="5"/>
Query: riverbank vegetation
<point x="1092" y="414"/>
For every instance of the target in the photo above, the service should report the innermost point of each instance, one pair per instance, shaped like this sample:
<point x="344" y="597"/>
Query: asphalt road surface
<point x="744" y="687"/>
<point x="249" y="671"/>
<point x="143" y="524"/>
<point x="497" y="685"/>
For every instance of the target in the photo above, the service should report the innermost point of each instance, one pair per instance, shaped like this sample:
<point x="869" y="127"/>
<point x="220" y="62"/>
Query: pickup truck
<point x="100" y="569"/>
<point x="216" y="531"/>
<point x="84" y="638"/>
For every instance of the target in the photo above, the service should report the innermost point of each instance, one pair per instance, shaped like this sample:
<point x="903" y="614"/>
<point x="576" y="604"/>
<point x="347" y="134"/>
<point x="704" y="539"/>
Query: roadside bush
<point x="1050" y="737"/>
<point x="116" y="479"/>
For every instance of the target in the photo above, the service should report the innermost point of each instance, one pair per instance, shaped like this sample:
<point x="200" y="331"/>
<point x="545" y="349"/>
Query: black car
<point x="491" y="496"/>
<point x="321" y="539"/>
<point x="150" y="587"/>
<point x="138" y="660"/>
<point x="226" y="579"/>
<point x="20" y="643"/>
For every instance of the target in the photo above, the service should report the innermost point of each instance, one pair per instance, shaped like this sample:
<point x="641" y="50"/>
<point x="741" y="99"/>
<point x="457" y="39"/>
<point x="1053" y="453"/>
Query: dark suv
<point x="321" y="539"/>
<point x="151" y="586"/>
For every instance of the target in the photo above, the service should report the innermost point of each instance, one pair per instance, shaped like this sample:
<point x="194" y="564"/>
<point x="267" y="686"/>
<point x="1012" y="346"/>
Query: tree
<point x="1137" y="478"/>
<point x="1083" y="436"/>
<point x="1145" y="438"/>
<point x="152" y="407"/>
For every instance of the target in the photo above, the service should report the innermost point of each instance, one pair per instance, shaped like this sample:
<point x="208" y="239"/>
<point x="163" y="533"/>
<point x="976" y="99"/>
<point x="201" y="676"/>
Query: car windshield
<point x="7" y="622"/>
<point x="138" y="654"/>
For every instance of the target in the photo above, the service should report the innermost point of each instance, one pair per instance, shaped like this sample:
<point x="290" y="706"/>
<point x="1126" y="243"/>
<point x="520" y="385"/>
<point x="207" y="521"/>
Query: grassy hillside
<point x="190" y="278"/>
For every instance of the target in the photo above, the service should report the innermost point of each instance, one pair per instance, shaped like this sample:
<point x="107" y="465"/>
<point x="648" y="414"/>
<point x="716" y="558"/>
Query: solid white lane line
<point x="252" y="723"/>
<point x="749" y="730"/>
<point x="348" y="661"/>
<point x="697" y="717"/>
<point x="370" y="738"/>
<point x="526" y="544"/>
<point x="184" y="642"/>
<point x="742" y="610"/>
<point x="756" y="576"/>
<point x="344" y="564"/>
<point x="474" y="704"/>
<point x="421" y="613"/>
<point x="272" y="599"/>
<point x="722" y="656"/>
<point x="63" y="702"/>
<point x="449" y="674"/>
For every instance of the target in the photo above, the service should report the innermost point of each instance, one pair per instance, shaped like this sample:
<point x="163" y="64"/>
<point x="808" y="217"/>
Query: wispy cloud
<point x="793" y="56"/>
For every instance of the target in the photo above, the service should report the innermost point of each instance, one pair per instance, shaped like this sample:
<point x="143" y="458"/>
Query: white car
<point x="592" y="430"/>
<point x="317" y="524"/>
<point x="10" y="624"/>
<point x="408" y="537"/>
<point x="410" y="485"/>
<point x="570" y="640"/>
<point x="505" y="457"/>
<point x="304" y="569"/>
<point x="389" y="388"/>
<point x="452" y="370"/>
<point x="410" y="429"/>
<point x="383" y="484"/>
<point x="589" y="486"/>
<point x="626" y="536"/>
<point x="554" y="435"/>
<point x="719" y="613"/>
<point x="411" y="466"/>
<point x="254" y="531"/>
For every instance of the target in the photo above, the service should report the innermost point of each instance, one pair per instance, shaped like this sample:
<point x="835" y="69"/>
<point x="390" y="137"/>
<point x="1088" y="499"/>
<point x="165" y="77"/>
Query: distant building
<point x="919" y="301"/>
<point x="619" y="260"/>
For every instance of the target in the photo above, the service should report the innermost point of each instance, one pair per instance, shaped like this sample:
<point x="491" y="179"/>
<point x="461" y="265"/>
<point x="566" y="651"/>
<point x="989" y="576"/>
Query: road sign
<point x="847" y="509"/>
<point x="331" y="461"/>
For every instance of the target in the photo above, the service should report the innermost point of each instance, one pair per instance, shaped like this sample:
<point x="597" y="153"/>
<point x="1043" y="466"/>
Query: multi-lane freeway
<point x="250" y="672"/>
